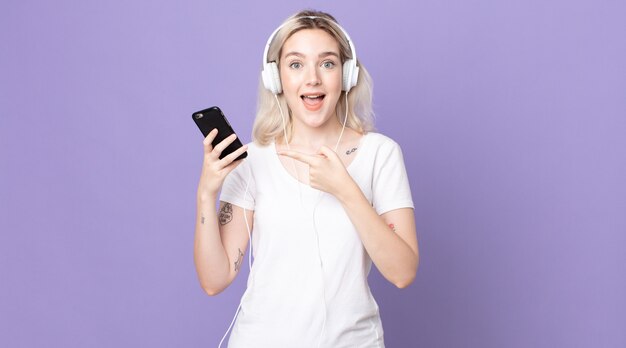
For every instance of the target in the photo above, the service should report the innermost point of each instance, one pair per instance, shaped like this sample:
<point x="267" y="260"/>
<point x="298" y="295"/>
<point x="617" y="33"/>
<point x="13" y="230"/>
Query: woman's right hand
<point x="214" y="169"/>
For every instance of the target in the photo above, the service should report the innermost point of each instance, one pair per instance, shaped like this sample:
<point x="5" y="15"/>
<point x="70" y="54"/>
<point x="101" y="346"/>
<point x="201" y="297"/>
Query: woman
<point x="324" y="196"/>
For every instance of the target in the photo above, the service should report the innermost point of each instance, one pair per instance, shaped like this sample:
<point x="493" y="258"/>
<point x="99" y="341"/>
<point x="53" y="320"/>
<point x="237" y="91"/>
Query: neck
<point x="313" y="138"/>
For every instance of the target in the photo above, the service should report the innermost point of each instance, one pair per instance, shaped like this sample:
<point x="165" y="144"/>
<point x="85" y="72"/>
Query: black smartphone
<point x="211" y="118"/>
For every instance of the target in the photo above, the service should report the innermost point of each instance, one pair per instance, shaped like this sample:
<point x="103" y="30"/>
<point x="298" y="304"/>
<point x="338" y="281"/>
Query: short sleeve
<point x="238" y="187"/>
<point x="390" y="187"/>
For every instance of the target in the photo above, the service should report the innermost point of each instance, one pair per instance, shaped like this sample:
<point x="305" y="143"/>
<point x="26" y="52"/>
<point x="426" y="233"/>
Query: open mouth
<point x="313" y="101"/>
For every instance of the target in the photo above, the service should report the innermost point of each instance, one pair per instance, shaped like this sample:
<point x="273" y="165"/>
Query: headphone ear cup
<point x="271" y="78"/>
<point x="350" y="74"/>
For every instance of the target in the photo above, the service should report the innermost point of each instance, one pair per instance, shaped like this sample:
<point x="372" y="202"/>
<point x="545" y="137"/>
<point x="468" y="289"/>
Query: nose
<point x="313" y="77"/>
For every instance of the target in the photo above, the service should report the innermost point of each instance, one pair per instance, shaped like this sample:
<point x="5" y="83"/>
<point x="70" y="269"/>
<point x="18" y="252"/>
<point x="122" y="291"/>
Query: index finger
<point x="308" y="159"/>
<point x="209" y="138"/>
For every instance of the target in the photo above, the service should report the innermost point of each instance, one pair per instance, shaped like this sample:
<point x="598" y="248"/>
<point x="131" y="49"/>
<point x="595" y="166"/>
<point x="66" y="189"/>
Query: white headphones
<point x="271" y="76"/>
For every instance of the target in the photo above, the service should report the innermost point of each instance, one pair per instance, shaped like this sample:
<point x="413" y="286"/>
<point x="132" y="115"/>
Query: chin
<point x="316" y="119"/>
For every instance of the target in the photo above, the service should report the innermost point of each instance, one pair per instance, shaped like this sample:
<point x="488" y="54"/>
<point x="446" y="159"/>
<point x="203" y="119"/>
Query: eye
<point x="329" y="64"/>
<point x="295" y="65"/>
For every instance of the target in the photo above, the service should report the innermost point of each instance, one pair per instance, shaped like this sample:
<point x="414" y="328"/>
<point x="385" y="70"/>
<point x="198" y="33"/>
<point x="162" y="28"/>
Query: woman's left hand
<point x="326" y="171"/>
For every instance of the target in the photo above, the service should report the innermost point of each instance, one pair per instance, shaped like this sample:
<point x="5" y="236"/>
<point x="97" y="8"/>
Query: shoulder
<point x="381" y="142"/>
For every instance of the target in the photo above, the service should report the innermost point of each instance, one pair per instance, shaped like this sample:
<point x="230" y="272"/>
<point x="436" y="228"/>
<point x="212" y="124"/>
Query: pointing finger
<point x="327" y="152"/>
<point x="308" y="159"/>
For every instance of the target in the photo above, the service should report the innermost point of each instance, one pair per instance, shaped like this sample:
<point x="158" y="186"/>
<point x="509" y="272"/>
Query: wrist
<point x="206" y="197"/>
<point x="349" y="193"/>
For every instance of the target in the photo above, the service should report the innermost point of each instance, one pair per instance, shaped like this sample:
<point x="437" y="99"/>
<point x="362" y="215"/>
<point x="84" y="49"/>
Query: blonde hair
<point x="268" y="124"/>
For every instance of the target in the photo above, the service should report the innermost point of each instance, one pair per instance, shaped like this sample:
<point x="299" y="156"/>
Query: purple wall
<point x="511" y="114"/>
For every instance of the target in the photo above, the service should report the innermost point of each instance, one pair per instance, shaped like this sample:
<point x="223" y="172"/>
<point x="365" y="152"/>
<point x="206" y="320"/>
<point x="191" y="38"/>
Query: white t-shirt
<point x="283" y="305"/>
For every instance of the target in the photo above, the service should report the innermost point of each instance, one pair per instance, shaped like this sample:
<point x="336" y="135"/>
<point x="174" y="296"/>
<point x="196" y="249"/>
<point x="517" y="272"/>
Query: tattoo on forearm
<point x="238" y="262"/>
<point x="202" y="222"/>
<point x="226" y="214"/>
<point x="351" y="151"/>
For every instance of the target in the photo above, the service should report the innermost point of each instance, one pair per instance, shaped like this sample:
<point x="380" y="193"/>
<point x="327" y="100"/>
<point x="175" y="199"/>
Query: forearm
<point x="393" y="257"/>
<point x="210" y="258"/>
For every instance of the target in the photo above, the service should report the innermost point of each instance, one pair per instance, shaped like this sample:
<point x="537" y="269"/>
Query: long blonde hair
<point x="268" y="124"/>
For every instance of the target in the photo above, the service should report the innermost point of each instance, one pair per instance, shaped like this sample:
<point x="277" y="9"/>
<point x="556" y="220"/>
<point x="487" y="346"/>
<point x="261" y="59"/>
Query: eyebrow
<point x="321" y="55"/>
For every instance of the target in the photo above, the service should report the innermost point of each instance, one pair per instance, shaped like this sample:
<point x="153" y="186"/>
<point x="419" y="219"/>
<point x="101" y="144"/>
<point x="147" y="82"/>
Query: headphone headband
<point x="270" y="75"/>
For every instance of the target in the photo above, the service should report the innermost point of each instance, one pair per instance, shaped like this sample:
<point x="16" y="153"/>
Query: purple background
<point x="511" y="115"/>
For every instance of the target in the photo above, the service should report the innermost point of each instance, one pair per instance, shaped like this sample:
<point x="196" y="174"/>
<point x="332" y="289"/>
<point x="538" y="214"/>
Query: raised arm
<point x="220" y="238"/>
<point x="220" y="243"/>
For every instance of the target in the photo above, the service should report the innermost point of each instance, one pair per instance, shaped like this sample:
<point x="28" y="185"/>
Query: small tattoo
<point x="202" y="222"/>
<point x="226" y="213"/>
<point x="393" y="227"/>
<point x="238" y="262"/>
<point x="350" y="151"/>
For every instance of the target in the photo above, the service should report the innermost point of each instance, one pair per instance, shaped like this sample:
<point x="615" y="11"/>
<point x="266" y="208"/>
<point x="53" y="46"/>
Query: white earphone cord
<point x="293" y="162"/>
<point x="317" y="237"/>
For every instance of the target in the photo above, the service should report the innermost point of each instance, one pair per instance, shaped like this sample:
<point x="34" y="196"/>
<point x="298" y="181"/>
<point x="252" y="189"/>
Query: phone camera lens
<point x="199" y="115"/>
